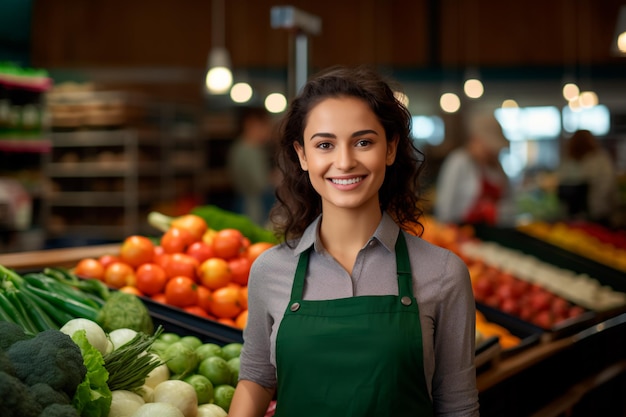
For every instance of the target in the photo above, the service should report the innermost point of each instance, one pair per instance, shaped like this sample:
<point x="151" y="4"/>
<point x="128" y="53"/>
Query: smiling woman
<point x="342" y="313"/>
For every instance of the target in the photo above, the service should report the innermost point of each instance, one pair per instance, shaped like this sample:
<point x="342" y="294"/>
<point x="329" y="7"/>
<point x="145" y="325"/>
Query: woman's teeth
<point x="347" y="182"/>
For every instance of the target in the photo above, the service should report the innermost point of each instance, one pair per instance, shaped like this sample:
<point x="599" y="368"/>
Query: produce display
<point x="191" y="266"/>
<point x="586" y="239"/>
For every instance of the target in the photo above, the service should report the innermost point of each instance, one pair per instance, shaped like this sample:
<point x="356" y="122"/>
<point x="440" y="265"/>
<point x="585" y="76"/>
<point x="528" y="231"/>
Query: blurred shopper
<point x="471" y="186"/>
<point x="587" y="179"/>
<point x="250" y="164"/>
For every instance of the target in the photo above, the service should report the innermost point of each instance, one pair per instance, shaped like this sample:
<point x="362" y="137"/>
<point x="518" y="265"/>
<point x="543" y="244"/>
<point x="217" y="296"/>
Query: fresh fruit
<point x="108" y="259"/>
<point x="214" y="273"/>
<point x="119" y="274"/>
<point x="194" y="224"/>
<point x="179" y="264"/>
<point x="211" y="349"/>
<point x="150" y="278"/>
<point x="181" y="291"/>
<point x="204" y="298"/>
<point x="225" y="302"/>
<point x="203" y="387"/>
<point x="228" y="243"/>
<point x="89" y="268"/>
<point x="216" y="369"/>
<point x="176" y="240"/>
<point x="201" y="251"/>
<point x="254" y="250"/>
<point x="231" y="350"/>
<point x="242" y="320"/>
<point x="240" y="269"/>
<point x="137" y="250"/>
<point x="224" y="395"/>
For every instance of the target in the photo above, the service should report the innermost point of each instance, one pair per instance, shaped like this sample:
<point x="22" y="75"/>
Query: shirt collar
<point x="386" y="233"/>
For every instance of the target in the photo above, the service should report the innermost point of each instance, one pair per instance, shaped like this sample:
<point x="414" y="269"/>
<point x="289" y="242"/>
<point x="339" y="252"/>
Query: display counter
<point x="581" y="374"/>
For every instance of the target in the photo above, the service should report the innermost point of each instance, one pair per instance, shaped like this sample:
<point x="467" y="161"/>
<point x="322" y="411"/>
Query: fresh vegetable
<point x="51" y="357"/>
<point x="158" y="409"/>
<point x="93" y="396"/>
<point x="211" y="410"/>
<point x="178" y="393"/>
<point x="16" y="400"/>
<point x="129" y="365"/>
<point x="94" y="333"/>
<point x="120" y="337"/>
<point x="125" y="403"/>
<point x="180" y="358"/>
<point x="123" y="310"/>
<point x="11" y="333"/>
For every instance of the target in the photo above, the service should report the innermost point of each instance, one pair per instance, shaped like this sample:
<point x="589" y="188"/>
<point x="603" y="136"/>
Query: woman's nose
<point x="345" y="158"/>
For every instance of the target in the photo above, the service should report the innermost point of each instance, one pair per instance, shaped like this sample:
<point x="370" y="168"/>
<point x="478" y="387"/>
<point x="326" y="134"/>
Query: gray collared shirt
<point x="441" y="286"/>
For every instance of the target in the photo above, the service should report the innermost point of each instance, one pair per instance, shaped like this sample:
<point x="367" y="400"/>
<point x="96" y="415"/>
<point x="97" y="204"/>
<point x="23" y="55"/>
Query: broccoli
<point x="59" y="410"/>
<point x="11" y="333"/>
<point x="15" y="400"/>
<point x="45" y="395"/>
<point x="50" y="357"/>
<point x="5" y="363"/>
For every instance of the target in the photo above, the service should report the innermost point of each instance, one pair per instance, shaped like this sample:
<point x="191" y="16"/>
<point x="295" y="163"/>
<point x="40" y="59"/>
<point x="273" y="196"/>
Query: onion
<point x="158" y="409"/>
<point x="178" y="393"/>
<point x="124" y="403"/>
<point x="95" y="335"/>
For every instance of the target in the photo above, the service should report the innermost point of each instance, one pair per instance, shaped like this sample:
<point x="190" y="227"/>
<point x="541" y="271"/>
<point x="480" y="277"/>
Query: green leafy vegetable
<point x="93" y="395"/>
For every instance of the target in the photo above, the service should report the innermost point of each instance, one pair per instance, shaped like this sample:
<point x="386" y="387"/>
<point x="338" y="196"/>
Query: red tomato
<point x="197" y="311"/>
<point x="240" y="269"/>
<point x="119" y="274"/>
<point x="228" y="243"/>
<point x="108" y="259"/>
<point x="194" y="224"/>
<point x="214" y="273"/>
<point x="181" y="292"/>
<point x="177" y="264"/>
<point x="159" y="298"/>
<point x="176" y="240"/>
<point x="201" y="251"/>
<point x="89" y="268"/>
<point x="150" y="279"/>
<point x="254" y="250"/>
<point x="204" y="298"/>
<point x="137" y="250"/>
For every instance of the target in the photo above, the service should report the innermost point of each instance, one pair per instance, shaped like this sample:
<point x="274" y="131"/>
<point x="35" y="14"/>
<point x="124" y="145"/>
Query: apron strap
<point x="403" y="266"/>
<point x="297" y="289"/>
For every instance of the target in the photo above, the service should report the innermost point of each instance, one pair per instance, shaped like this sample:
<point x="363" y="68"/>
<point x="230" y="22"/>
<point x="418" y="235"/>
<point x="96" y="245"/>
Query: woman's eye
<point x="363" y="142"/>
<point x="323" y="145"/>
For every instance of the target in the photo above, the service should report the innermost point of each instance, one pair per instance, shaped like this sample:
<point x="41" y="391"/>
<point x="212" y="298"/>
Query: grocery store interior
<point x="107" y="114"/>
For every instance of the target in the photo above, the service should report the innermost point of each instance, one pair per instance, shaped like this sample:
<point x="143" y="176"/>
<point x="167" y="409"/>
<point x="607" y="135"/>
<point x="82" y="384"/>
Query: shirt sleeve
<point x="454" y="381"/>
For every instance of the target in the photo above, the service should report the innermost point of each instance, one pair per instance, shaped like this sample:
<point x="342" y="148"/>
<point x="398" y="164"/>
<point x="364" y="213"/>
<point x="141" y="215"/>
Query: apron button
<point x="406" y="300"/>
<point x="295" y="306"/>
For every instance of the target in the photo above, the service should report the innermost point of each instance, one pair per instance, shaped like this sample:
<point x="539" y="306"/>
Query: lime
<point x="159" y="347"/>
<point x="192" y="341"/>
<point x="203" y="387"/>
<point x="169" y="338"/>
<point x="216" y="369"/>
<point x="209" y="349"/>
<point x="224" y="395"/>
<point x="232" y="350"/>
<point x="233" y="364"/>
<point x="180" y="358"/>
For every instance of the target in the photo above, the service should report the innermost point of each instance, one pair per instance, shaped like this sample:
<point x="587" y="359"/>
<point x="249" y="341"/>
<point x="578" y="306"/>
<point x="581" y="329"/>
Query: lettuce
<point x="93" y="396"/>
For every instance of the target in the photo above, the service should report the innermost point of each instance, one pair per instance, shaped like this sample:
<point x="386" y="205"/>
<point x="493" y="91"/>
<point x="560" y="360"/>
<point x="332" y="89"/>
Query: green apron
<point x="357" y="356"/>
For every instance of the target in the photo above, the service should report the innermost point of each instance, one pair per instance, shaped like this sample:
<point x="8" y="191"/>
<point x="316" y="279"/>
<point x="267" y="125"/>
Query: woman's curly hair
<point x="298" y="204"/>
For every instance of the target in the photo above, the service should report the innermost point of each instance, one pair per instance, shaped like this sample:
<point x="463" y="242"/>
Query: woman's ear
<point x="392" y="147"/>
<point x="301" y="156"/>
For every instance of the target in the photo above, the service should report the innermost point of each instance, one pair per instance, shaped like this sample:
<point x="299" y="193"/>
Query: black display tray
<point x="178" y="321"/>
<point x="529" y="334"/>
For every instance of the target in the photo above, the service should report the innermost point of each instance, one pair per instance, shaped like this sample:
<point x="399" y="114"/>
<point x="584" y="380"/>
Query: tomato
<point x="108" y="259"/>
<point x="242" y="319"/>
<point x="119" y="274"/>
<point x="204" y="298"/>
<point x="89" y="268"/>
<point x="228" y="243"/>
<point x="225" y="302"/>
<point x="226" y="321"/>
<point x="150" y="279"/>
<point x="131" y="290"/>
<point x="208" y="236"/>
<point x="176" y="264"/>
<point x="201" y="251"/>
<point x="137" y="250"/>
<point x="194" y="224"/>
<point x="243" y="297"/>
<point x="181" y="291"/>
<point x="214" y="273"/>
<point x="240" y="269"/>
<point x="159" y="298"/>
<point x="176" y="240"/>
<point x="197" y="311"/>
<point x="254" y="250"/>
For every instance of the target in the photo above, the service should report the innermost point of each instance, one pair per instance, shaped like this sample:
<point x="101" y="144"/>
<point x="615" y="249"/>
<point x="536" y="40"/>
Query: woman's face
<point x="345" y="153"/>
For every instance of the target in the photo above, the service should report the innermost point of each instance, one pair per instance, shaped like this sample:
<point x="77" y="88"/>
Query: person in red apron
<point x="351" y="315"/>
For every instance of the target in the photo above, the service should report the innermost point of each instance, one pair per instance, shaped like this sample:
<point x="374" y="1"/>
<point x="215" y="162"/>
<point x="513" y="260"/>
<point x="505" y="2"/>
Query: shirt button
<point x="404" y="300"/>
<point x="295" y="306"/>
